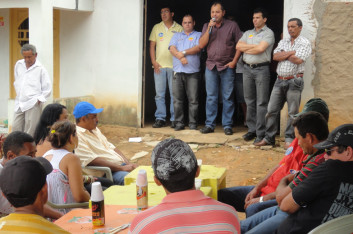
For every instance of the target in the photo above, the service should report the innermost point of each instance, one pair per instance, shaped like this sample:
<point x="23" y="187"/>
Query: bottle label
<point x="142" y="197"/>
<point x="98" y="215"/>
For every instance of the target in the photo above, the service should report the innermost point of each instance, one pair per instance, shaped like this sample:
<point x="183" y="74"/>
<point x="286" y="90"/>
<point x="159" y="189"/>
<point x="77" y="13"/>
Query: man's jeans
<point x="189" y="84"/>
<point x="283" y="90"/>
<point x="256" y="94"/>
<point x="224" y="79"/>
<point x="161" y="81"/>
<point x="264" y="222"/>
<point x="235" y="196"/>
<point x="118" y="177"/>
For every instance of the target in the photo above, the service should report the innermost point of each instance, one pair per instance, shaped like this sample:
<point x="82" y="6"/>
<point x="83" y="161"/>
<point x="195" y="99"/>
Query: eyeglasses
<point x="165" y="12"/>
<point x="329" y="151"/>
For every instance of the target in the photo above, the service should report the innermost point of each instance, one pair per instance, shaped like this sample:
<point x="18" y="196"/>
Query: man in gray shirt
<point x="256" y="45"/>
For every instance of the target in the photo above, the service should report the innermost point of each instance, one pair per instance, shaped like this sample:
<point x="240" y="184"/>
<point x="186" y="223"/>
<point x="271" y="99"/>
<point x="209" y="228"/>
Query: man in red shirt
<point x="253" y="199"/>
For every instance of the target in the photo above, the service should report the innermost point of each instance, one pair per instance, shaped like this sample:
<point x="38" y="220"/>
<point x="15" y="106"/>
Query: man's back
<point x="189" y="212"/>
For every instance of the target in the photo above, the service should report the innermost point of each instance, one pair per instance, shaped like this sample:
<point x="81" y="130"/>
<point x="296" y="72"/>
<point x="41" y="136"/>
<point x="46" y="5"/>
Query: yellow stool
<point x="214" y="177"/>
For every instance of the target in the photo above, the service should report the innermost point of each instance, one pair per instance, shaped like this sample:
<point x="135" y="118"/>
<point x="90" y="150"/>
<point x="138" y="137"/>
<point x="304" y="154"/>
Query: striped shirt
<point x="28" y="223"/>
<point x="309" y="165"/>
<point x="187" y="212"/>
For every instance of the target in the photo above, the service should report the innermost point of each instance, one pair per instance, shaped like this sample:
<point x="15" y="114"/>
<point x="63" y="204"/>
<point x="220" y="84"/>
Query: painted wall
<point x="4" y="63"/>
<point x="101" y="55"/>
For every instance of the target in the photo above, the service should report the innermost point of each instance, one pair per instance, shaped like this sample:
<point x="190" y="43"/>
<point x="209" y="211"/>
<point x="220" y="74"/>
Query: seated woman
<point x="65" y="182"/>
<point x="51" y="113"/>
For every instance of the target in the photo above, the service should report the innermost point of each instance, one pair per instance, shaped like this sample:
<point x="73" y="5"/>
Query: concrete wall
<point x="4" y="63"/>
<point x="101" y="55"/>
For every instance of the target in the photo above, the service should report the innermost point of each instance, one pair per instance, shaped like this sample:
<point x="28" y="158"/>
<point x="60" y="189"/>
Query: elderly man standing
<point x="162" y="63"/>
<point x="256" y="45"/>
<point x="184" y="209"/>
<point x="291" y="54"/>
<point x="33" y="87"/>
<point x="220" y="36"/>
<point x="93" y="147"/>
<point x="185" y="49"/>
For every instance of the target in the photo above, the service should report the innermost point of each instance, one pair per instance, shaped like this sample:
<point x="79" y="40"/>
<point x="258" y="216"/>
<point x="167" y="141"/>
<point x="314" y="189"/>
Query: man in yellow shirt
<point x="162" y="62"/>
<point x="23" y="182"/>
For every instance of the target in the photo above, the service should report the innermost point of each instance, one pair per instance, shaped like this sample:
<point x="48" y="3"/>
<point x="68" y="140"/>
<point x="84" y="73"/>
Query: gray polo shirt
<point x="255" y="37"/>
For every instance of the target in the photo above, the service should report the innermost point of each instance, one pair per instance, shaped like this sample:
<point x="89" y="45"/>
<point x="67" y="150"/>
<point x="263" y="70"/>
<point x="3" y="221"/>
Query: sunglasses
<point x="329" y="151"/>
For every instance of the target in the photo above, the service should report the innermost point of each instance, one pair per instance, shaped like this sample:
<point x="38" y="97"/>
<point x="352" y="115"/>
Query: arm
<point x="113" y="166"/>
<point x="49" y="212"/>
<point x="282" y="55"/>
<point x="294" y="59"/>
<point x="257" y="49"/>
<point x="233" y="64"/>
<point x="283" y="189"/>
<point x="45" y="86"/>
<point x="206" y="36"/>
<point x="74" y="173"/>
<point x="156" y="65"/>
<point x="243" y="46"/>
<point x="288" y="204"/>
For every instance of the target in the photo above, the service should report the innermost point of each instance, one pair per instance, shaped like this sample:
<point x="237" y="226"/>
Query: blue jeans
<point x="224" y="79"/>
<point x="186" y="83"/>
<point x="256" y="94"/>
<point x="235" y="196"/>
<point x="161" y="81"/>
<point x="266" y="221"/>
<point x="118" y="177"/>
<point x="283" y="90"/>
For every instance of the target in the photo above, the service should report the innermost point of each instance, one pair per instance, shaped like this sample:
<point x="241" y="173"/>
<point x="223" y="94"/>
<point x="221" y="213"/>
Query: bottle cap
<point x="97" y="192"/>
<point x="141" y="179"/>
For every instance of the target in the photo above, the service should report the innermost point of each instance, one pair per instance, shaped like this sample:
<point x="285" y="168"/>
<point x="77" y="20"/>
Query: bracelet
<point x="261" y="199"/>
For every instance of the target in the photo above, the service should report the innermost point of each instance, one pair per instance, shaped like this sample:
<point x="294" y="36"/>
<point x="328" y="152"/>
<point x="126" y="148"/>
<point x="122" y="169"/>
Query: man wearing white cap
<point x="93" y="147"/>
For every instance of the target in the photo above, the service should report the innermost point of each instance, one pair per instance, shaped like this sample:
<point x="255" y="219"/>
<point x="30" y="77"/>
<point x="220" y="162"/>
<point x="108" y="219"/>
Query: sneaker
<point x="228" y="131"/>
<point x="179" y="127"/>
<point x="193" y="126"/>
<point x="173" y="124"/>
<point x="159" y="123"/>
<point x="206" y="130"/>
<point x="249" y="136"/>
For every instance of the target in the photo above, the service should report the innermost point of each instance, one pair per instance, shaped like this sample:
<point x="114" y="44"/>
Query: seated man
<point x="93" y="147"/>
<point x="16" y="144"/>
<point x="23" y="182"/>
<point x="327" y="193"/>
<point x="184" y="209"/>
<point x="253" y="199"/>
<point x="310" y="128"/>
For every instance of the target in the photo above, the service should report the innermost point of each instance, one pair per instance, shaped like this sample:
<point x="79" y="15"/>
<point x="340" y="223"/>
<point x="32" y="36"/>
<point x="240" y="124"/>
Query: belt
<point x="257" y="64"/>
<point x="290" y="77"/>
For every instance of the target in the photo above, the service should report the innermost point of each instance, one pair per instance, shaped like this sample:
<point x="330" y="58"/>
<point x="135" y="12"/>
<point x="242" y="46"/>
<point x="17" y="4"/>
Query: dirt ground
<point x="245" y="164"/>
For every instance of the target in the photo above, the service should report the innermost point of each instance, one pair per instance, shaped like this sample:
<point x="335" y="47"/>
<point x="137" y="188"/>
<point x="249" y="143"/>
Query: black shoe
<point x="159" y="123"/>
<point x="179" y="127"/>
<point x="228" y="131"/>
<point x="206" y="130"/>
<point x="193" y="126"/>
<point x="249" y="136"/>
<point x="257" y="140"/>
<point x="172" y="124"/>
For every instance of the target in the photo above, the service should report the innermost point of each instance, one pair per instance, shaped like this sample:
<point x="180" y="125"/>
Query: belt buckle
<point x="252" y="65"/>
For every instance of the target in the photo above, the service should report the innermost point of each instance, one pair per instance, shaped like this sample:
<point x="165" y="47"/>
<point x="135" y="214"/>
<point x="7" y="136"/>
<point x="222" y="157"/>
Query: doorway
<point x="242" y="12"/>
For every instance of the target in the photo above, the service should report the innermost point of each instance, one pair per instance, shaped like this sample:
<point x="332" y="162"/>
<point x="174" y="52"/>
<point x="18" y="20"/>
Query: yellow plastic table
<point x="214" y="177"/>
<point x="126" y="195"/>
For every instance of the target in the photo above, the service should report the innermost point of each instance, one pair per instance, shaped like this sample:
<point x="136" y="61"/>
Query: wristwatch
<point x="184" y="52"/>
<point x="261" y="199"/>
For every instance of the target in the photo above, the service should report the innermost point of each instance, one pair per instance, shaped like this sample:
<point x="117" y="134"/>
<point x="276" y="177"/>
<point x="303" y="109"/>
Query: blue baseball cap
<point x="85" y="108"/>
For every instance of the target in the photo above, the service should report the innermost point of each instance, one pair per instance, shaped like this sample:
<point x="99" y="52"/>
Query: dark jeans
<point x="106" y="183"/>
<point x="256" y="94"/>
<point x="235" y="196"/>
<point x="184" y="83"/>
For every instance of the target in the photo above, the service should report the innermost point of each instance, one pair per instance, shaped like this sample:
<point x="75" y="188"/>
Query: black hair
<point x="15" y="141"/>
<point x="299" y="22"/>
<point x="262" y="11"/>
<point x="312" y="122"/>
<point x="165" y="5"/>
<point x="216" y="3"/>
<point x="188" y="15"/>
<point x="60" y="133"/>
<point x="50" y="115"/>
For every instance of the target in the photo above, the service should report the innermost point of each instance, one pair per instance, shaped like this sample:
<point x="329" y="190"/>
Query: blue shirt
<point x="183" y="42"/>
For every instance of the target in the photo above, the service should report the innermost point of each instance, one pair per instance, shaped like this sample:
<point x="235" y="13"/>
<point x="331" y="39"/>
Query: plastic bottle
<point x="97" y="198"/>
<point x="142" y="190"/>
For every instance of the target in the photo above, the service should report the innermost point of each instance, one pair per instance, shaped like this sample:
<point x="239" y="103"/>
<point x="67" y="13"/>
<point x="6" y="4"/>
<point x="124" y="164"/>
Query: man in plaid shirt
<point x="291" y="54"/>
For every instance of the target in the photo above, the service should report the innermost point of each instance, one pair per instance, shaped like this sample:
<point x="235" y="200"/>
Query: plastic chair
<point x="68" y="206"/>
<point x="340" y="225"/>
<point x="106" y="170"/>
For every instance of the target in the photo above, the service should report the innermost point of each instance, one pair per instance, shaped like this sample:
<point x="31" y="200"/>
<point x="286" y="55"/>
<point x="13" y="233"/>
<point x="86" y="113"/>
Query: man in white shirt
<point x="33" y="87"/>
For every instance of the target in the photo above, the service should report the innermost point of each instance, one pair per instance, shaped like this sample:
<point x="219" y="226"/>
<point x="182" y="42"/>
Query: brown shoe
<point x="286" y="145"/>
<point x="261" y="143"/>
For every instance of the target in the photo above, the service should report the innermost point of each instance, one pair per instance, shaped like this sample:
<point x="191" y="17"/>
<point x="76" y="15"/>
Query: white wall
<point x="4" y="64"/>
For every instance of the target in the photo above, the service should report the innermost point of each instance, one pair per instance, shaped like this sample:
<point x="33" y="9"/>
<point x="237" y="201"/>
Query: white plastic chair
<point x="340" y="225"/>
